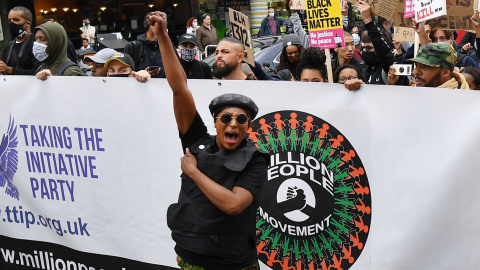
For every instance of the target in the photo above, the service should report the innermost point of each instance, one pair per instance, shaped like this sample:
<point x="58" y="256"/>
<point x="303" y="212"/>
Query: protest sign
<point x="240" y="26"/>
<point x="403" y="34"/>
<point x="383" y="8"/>
<point x="409" y="9"/>
<point x="429" y="9"/>
<point x="325" y="23"/>
<point x="298" y="5"/>
<point x="458" y="16"/>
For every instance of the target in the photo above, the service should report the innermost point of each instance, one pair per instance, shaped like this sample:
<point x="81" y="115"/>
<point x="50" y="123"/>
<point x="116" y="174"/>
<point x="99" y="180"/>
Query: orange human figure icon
<point x="356" y="241"/>
<point x="361" y="225"/>
<point x="322" y="132"/>
<point x="293" y="120"/>
<point x="308" y="125"/>
<point x="336" y="141"/>
<point x="361" y="189"/>
<point x="266" y="128"/>
<point x="279" y="121"/>
<point x="362" y="207"/>
<point x="348" y="155"/>
<point x="252" y="134"/>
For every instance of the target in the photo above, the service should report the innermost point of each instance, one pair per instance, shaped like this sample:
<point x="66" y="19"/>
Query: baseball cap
<point x="436" y="55"/>
<point x="123" y="58"/>
<point x="101" y="56"/>
<point x="233" y="100"/>
<point x="188" y="38"/>
<point x="290" y="40"/>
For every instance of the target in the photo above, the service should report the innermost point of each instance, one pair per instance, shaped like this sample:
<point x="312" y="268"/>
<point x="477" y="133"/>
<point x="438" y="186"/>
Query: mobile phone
<point x="403" y="70"/>
<point x="152" y="67"/>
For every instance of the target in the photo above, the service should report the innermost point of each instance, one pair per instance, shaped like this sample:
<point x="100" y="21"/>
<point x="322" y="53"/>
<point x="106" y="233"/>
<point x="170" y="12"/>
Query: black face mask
<point x="370" y="58"/>
<point x="16" y="29"/>
<point x="119" y="75"/>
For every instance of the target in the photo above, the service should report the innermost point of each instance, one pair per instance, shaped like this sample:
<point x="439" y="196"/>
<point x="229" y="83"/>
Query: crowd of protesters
<point x="367" y="56"/>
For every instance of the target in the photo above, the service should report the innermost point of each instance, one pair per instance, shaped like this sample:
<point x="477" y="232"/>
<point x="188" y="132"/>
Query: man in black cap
<point x="213" y="223"/>
<point x="188" y="50"/>
<point x="229" y="56"/>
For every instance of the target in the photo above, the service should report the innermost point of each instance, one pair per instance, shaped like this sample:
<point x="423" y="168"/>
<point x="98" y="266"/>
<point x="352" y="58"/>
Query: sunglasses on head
<point x="226" y="118"/>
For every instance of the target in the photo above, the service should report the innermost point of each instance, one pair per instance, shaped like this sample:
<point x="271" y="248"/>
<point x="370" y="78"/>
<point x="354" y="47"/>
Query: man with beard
<point x="435" y="63"/>
<point x="375" y="71"/>
<point x="18" y="56"/>
<point x="229" y="56"/>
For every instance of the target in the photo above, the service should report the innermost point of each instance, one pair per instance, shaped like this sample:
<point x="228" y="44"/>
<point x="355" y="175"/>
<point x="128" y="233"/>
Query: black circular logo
<point x="315" y="209"/>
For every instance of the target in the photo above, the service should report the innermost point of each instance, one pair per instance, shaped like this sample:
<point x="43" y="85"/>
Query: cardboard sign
<point x="404" y="34"/>
<point x="298" y="5"/>
<point x="409" y="9"/>
<point x="325" y="23"/>
<point x="240" y="26"/>
<point x="429" y="9"/>
<point x="458" y="16"/>
<point x="383" y="8"/>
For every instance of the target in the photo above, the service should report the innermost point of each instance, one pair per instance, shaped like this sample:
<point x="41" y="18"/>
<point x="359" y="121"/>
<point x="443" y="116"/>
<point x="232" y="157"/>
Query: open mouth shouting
<point x="231" y="137"/>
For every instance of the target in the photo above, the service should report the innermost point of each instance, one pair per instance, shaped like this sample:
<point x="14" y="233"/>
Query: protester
<point x="229" y="56"/>
<point x="88" y="32"/>
<point x="472" y="76"/>
<point x="213" y="223"/>
<point x="99" y="60"/>
<point x="192" y="26"/>
<point x="122" y="65"/>
<point x="85" y="45"/>
<point x="375" y="47"/>
<point x="144" y="52"/>
<point x="289" y="57"/>
<point x="248" y="71"/>
<point x="50" y="48"/>
<point x="355" y="31"/>
<point x="294" y="24"/>
<point x="71" y="54"/>
<point x="17" y="55"/>
<point x="435" y="64"/>
<point x="345" y="54"/>
<point x="206" y="34"/>
<point x="193" y="68"/>
<point x="272" y="25"/>
<point x="311" y="67"/>
<point x="346" y="73"/>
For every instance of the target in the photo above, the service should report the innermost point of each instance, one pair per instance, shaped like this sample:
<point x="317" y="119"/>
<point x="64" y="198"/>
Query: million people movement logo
<point x="315" y="209"/>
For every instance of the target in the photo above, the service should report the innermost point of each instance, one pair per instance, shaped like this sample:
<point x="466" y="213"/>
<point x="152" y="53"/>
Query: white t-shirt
<point x="90" y="32"/>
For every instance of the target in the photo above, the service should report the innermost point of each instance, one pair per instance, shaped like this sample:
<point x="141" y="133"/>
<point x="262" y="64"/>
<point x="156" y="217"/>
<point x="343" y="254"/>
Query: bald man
<point x="229" y="56"/>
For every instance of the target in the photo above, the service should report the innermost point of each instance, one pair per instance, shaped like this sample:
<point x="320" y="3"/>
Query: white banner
<point x="95" y="162"/>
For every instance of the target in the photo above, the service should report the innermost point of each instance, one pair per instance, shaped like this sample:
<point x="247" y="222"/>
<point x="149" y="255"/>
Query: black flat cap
<point x="233" y="100"/>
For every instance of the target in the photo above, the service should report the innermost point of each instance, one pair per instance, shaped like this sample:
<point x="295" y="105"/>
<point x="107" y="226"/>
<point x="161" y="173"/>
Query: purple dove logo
<point x="9" y="160"/>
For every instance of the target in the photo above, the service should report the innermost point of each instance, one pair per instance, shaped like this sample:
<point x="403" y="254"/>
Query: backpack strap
<point x="64" y="67"/>
<point x="137" y="50"/>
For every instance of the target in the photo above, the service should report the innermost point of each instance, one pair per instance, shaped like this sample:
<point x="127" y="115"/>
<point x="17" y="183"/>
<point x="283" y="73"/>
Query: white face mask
<point x="444" y="42"/>
<point x="39" y="51"/>
<point x="194" y="23"/>
<point x="271" y="14"/>
<point x="356" y="39"/>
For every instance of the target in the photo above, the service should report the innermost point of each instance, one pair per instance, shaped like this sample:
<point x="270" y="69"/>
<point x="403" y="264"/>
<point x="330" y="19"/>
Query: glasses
<point x="226" y="118"/>
<point x="343" y="79"/>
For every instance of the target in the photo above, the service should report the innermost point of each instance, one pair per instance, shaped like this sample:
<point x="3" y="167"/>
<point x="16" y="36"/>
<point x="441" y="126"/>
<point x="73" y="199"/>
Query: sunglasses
<point x="226" y="118"/>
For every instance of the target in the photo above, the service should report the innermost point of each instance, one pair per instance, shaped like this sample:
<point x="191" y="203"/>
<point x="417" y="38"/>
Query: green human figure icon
<point x="315" y="146"/>
<point x="282" y="138"/>
<point x="304" y="141"/>
<point x="272" y="141"/>
<point x="262" y="146"/>
<point x="293" y="140"/>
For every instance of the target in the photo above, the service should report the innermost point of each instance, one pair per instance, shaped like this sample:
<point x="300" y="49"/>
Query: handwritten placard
<point x="404" y="34"/>
<point x="429" y="9"/>
<point x="240" y="26"/>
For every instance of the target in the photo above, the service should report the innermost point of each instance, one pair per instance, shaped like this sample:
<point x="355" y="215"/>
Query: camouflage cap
<point x="436" y="55"/>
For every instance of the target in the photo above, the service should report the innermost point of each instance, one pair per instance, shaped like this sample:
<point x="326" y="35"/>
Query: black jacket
<point x="373" y="75"/>
<point x="148" y="54"/>
<point x="196" y="69"/>
<point x="22" y="63"/>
